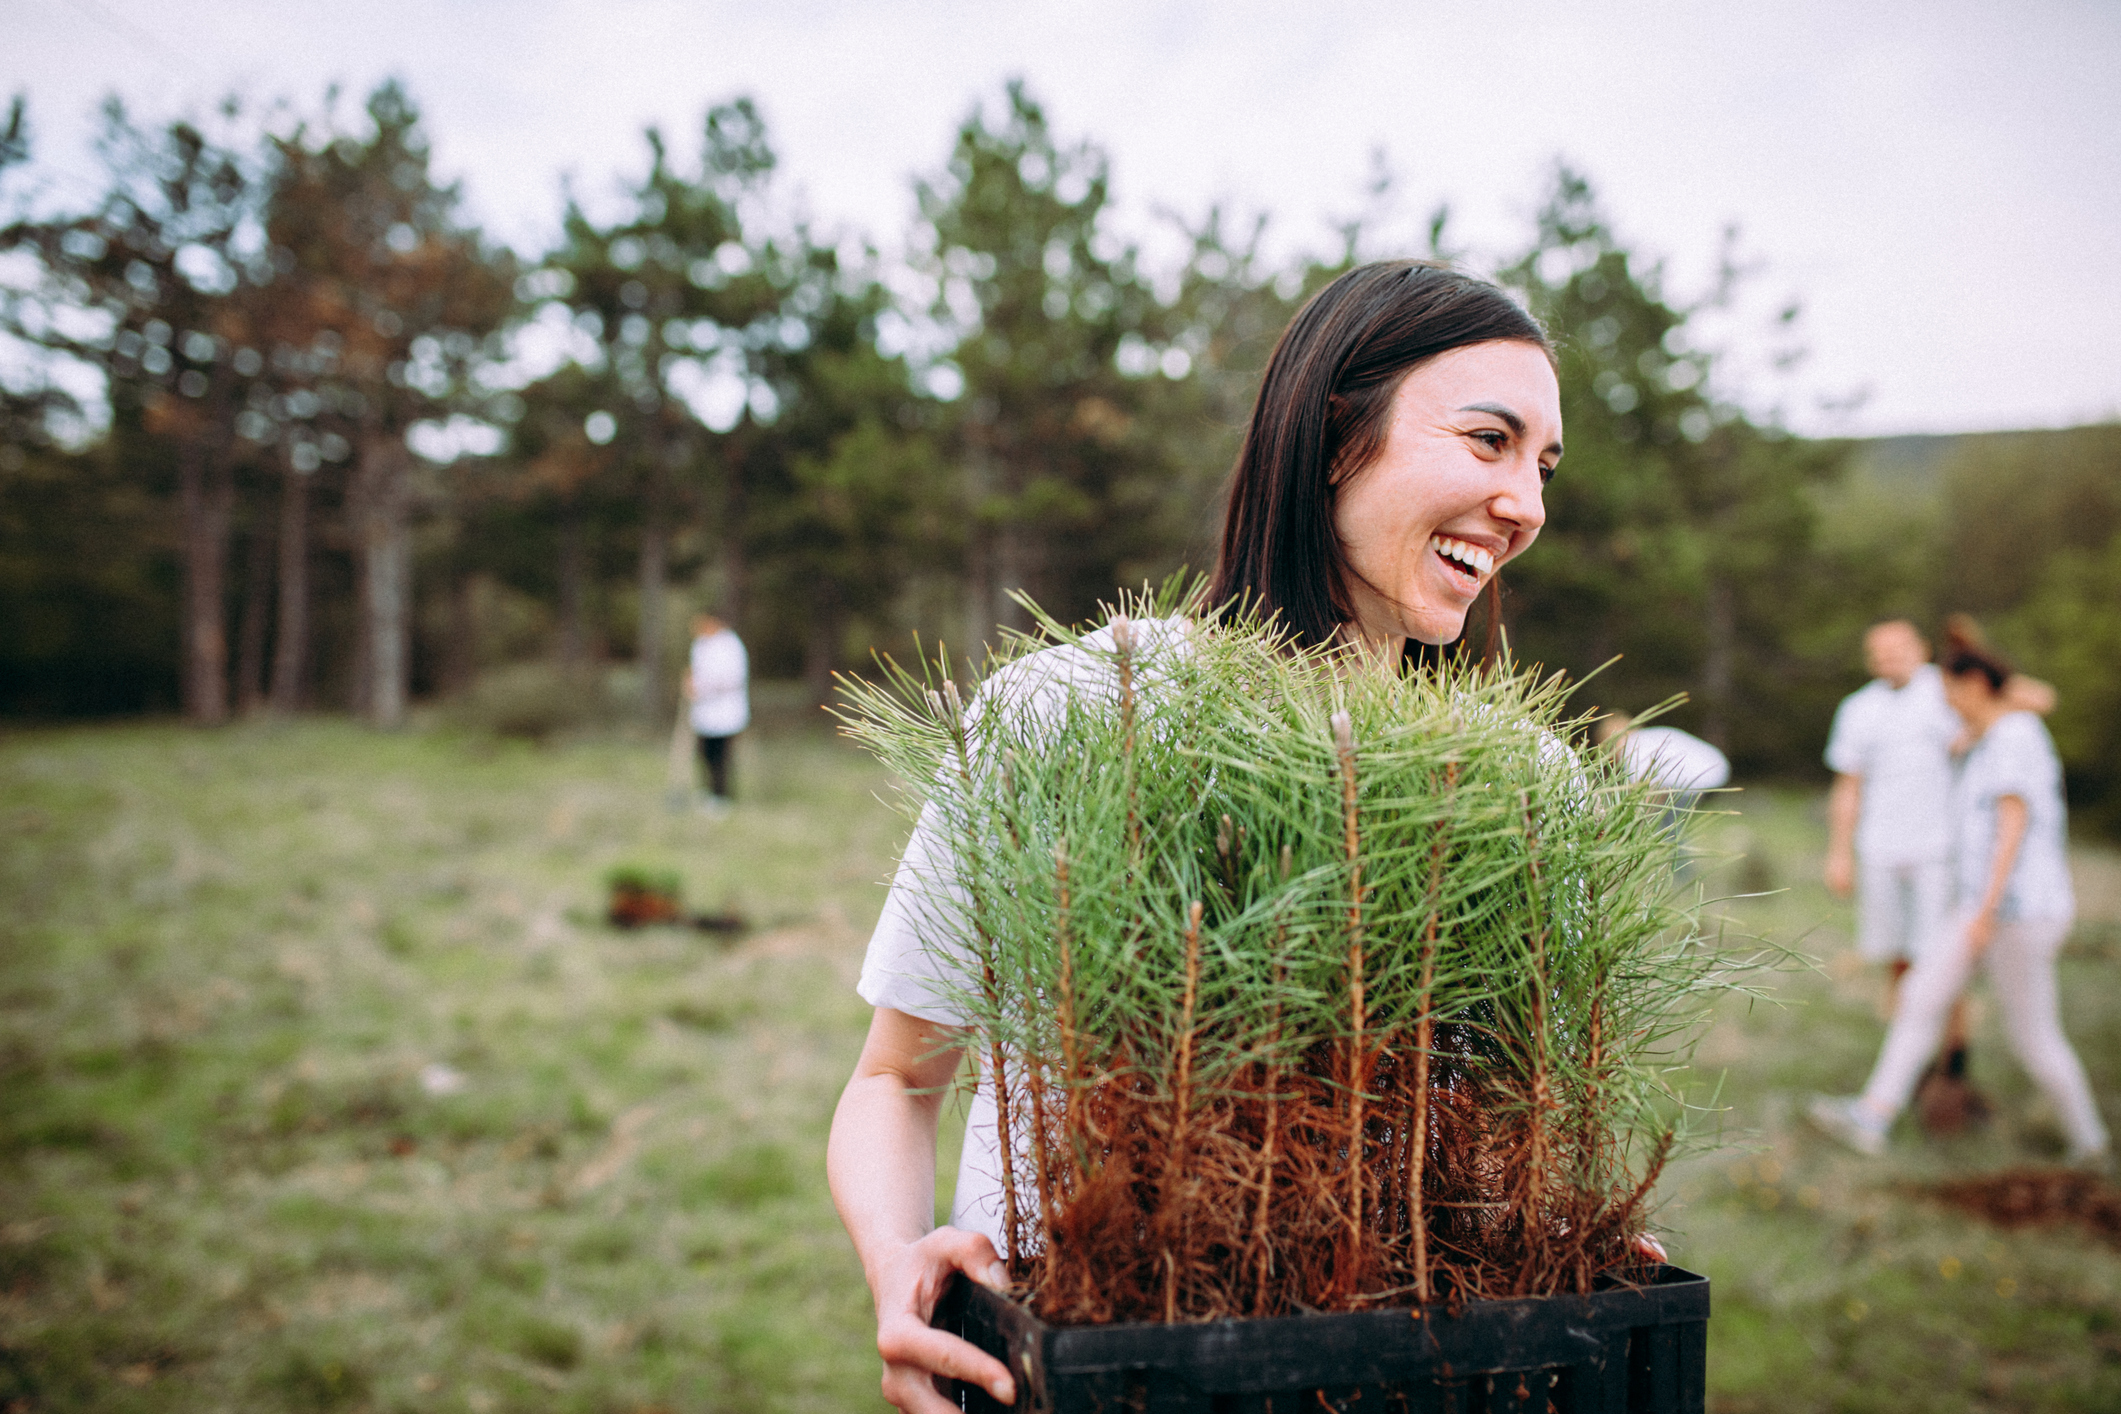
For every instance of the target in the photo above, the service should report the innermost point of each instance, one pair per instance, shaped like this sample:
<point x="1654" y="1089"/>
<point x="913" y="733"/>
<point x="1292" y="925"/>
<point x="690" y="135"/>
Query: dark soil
<point x="2035" y="1197"/>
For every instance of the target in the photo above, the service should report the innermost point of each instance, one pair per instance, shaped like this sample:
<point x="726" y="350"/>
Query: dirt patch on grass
<point x="2036" y="1197"/>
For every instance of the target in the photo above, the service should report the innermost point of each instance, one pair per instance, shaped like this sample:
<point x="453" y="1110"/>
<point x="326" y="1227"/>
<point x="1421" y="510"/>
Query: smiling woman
<point x="1395" y="460"/>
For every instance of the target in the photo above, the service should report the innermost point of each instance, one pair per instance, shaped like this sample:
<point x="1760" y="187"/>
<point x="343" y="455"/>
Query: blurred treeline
<point x="289" y="434"/>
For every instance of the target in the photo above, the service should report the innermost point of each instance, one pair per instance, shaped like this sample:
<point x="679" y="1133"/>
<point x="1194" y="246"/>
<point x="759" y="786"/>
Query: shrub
<point x="533" y="702"/>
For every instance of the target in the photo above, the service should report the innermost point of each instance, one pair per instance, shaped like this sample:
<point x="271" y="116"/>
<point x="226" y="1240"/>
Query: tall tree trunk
<point x="383" y="543"/>
<point x="250" y="630"/>
<point x="460" y="660"/>
<point x="1014" y="567"/>
<point x="574" y="625"/>
<point x="736" y="563"/>
<point x="982" y="536"/>
<point x="290" y="657"/>
<point x="655" y="546"/>
<point x="1718" y="666"/>
<point x="821" y="648"/>
<point x="979" y="590"/>
<point x="204" y="496"/>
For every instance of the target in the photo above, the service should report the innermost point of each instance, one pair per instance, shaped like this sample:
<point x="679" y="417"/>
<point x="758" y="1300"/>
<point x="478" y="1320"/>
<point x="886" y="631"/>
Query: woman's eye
<point x="1493" y="441"/>
<point x="1546" y="473"/>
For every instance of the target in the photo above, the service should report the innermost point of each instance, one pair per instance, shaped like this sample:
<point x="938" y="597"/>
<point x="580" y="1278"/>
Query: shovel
<point x="677" y="783"/>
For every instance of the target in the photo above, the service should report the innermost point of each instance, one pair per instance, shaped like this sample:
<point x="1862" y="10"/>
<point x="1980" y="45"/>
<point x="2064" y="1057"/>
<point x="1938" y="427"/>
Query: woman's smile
<point x="1464" y="560"/>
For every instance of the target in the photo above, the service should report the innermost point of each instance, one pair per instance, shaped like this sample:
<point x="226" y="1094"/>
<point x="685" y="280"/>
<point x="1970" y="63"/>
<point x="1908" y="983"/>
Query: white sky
<point x="1939" y="183"/>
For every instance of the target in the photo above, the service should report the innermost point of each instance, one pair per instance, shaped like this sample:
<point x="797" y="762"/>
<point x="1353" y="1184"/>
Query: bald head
<point x="1893" y="651"/>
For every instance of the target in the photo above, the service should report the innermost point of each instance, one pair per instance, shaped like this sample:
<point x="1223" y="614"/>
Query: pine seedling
<point x="1301" y="982"/>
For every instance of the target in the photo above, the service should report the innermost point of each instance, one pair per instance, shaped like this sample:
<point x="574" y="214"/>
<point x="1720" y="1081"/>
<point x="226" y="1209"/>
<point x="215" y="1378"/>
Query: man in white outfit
<point x="718" y="688"/>
<point x="1888" y="841"/>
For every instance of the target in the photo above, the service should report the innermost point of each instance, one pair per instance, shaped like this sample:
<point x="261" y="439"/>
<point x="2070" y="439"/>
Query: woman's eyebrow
<point x="1509" y="418"/>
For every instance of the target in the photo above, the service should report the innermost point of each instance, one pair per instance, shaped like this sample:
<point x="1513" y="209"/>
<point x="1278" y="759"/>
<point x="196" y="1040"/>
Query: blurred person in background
<point x="1678" y="763"/>
<point x="1887" y="838"/>
<point x="718" y="687"/>
<point x="1891" y="750"/>
<point x="2013" y="906"/>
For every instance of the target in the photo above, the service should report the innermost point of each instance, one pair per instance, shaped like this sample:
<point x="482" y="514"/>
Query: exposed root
<point x="1135" y="1237"/>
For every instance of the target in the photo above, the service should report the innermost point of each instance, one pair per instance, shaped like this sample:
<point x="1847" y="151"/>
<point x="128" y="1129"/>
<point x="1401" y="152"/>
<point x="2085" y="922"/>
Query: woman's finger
<point x="941" y="1353"/>
<point x="914" y="1392"/>
<point x="969" y="1252"/>
<point x="908" y="1343"/>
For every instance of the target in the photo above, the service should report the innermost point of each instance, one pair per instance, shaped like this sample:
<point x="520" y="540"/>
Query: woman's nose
<point x="1522" y="499"/>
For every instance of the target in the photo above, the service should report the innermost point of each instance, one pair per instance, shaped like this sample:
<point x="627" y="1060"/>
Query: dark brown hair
<point x="1967" y="653"/>
<point x="1323" y="411"/>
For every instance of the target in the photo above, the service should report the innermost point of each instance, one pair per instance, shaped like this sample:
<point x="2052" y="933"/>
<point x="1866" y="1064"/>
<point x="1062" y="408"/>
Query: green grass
<point x="226" y="960"/>
<point x="1836" y="1287"/>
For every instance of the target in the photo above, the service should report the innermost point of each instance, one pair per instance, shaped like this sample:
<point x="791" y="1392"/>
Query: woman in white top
<point x="1396" y="458"/>
<point x="2014" y="906"/>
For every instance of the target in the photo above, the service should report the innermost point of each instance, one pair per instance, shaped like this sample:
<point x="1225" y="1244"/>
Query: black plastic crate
<point x="1625" y="1349"/>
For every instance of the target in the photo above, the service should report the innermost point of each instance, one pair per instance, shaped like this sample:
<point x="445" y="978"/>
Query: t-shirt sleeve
<point x="2019" y="762"/>
<point x="920" y="960"/>
<point x="917" y="961"/>
<point x="1848" y="746"/>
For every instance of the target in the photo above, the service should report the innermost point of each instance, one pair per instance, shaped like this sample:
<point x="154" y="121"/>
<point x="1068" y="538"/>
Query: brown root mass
<point x="1271" y="1214"/>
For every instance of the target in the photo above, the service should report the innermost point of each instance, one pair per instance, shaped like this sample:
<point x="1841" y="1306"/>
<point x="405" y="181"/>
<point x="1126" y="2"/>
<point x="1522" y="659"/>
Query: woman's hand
<point x="1980" y="930"/>
<point x="914" y="1352"/>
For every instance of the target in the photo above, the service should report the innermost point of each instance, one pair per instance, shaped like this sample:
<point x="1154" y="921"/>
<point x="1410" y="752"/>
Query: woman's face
<point x="1456" y="492"/>
<point x="1968" y="694"/>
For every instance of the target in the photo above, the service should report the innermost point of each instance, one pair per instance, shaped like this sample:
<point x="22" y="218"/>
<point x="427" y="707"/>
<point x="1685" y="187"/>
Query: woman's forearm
<point x="2011" y="820"/>
<point x="881" y="1156"/>
<point x="881" y="1161"/>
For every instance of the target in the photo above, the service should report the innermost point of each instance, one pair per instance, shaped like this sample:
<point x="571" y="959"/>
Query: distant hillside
<point x="1917" y="463"/>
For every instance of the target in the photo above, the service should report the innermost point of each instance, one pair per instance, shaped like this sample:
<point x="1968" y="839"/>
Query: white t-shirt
<point x="1899" y="741"/>
<point x="1674" y="760"/>
<point x="720" y="671"/>
<point x="2013" y="757"/>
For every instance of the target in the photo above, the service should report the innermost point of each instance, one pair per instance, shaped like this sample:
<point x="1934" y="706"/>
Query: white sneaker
<point x="1845" y="1118"/>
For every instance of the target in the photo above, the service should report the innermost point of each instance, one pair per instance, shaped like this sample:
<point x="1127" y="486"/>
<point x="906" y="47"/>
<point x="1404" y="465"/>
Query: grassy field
<point x="322" y="1086"/>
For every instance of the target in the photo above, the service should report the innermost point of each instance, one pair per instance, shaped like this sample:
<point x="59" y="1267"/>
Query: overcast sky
<point x="1940" y="183"/>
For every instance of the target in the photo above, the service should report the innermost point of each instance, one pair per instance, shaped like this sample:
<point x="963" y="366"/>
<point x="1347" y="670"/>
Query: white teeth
<point x="1472" y="557"/>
